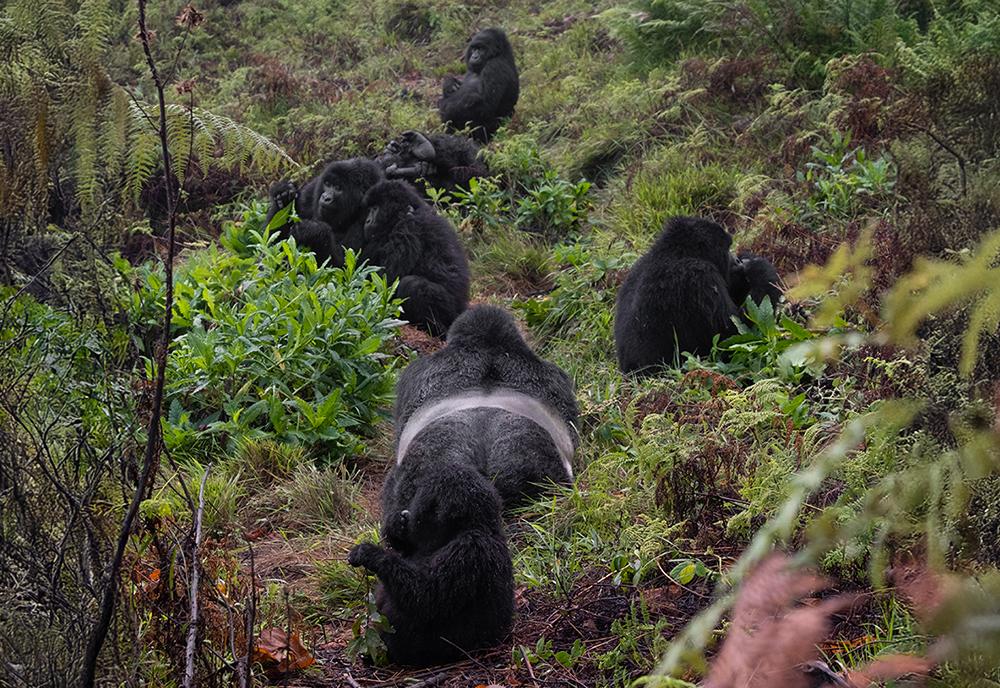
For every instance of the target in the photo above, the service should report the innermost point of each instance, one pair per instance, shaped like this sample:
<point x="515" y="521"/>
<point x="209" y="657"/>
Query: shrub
<point x="273" y="345"/>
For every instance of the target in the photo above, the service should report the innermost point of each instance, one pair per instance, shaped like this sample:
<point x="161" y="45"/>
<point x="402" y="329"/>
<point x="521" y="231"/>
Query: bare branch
<point x="151" y="454"/>
<point x="192" y="634"/>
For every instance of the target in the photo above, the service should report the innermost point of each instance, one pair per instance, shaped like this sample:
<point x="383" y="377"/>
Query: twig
<point x="428" y="682"/>
<point x="153" y="429"/>
<point x="948" y="148"/>
<point x="192" y="634"/>
<point x="350" y="680"/>
<point x="251" y="621"/>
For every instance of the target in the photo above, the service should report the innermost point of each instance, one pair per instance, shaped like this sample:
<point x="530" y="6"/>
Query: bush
<point x="272" y="345"/>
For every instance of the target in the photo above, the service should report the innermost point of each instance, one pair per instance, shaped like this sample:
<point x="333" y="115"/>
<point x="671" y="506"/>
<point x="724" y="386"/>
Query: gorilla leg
<point x="427" y="303"/>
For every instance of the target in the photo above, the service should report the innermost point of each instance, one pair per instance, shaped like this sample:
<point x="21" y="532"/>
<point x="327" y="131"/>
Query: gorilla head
<point x="698" y="239"/>
<point x="336" y="195"/>
<point x="486" y="45"/>
<point x="754" y="276"/>
<point x="389" y="203"/>
<point x="436" y="509"/>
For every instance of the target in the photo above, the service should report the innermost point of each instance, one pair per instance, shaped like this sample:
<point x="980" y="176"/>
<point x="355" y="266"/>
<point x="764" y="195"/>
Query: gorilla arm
<point x="450" y="577"/>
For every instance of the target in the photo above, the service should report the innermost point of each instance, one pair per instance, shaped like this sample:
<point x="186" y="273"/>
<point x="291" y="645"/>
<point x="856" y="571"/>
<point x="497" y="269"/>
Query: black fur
<point x="489" y="90"/>
<point x="448" y="574"/>
<point x="485" y="350"/>
<point x="753" y="276"/>
<point x="330" y="206"/>
<point x="441" y="161"/>
<point x="412" y="243"/>
<point x="676" y="298"/>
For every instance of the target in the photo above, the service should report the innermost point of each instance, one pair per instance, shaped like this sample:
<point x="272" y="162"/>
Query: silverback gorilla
<point x="442" y="161"/>
<point x="480" y="426"/>
<point x="681" y="294"/>
<point x="412" y="243"/>
<point x="330" y="207"/>
<point x="489" y="90"/>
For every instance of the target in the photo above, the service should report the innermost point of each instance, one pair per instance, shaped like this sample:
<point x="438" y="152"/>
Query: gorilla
<point x="412" y="243"/>
<point x="481" y="425"/>
<point x="330" y="207"/>
<point x="442" y="161"/>
<point x="753" y="276"/>
<point x="489" y="89"/>
<point x="683" y="293"/>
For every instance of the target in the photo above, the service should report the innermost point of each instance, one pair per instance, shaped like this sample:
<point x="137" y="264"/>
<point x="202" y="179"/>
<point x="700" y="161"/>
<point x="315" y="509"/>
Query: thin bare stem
<point x="152" y="450"/>
<point x="192" y="634"/>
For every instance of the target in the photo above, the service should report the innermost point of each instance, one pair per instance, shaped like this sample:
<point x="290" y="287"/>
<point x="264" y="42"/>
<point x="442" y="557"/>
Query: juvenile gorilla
<point x="330" y="206"/>
<point x="442" y="161"/>
<point x="682" y="293"/>
<point x="412" y="243"/>
<point x="480" y="425"/>
<point x="753" y="276"/>
<point x="489" y="90"/>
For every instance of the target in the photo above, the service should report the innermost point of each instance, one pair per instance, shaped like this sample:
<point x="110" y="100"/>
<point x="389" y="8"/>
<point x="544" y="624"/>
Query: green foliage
<point x="578" y="297"/>
<point x="805" y="33"/>
<point x="62" y="102"/>
<point x="274" y="346"/>
<point x="534" y="198"/>
<point x="844" y="181"/>
<point x="554" y="206"/>
<point x="767" y="346"/>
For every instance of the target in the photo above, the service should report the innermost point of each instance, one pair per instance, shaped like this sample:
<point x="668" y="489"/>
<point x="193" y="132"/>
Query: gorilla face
<point x="484" y="46"/>
<point x="332" y="192"/>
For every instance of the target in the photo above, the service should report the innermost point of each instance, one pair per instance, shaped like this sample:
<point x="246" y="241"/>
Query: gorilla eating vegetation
<point x="412" y="243"/>
<point x="442" y="161"/>
<point x="331" y="207"/>
<point x="489" y="90"/>
<point x="481" y="425"/>
<point x="684" y="292"/>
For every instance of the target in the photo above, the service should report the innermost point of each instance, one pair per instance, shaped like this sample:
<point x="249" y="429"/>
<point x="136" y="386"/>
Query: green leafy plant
<point x="766" y="347"/>
<point x="271" y="345"/>
<point x="553" y="206"/>
<point x="845" y="180"/>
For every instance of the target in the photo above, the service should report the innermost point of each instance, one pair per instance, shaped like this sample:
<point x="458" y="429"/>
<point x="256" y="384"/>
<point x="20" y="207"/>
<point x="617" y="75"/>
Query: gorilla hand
<point x="366" y="554"/>
<point x="283" y="193"/>
<point x="414" y="171"/>
<point x="450" y="85"/>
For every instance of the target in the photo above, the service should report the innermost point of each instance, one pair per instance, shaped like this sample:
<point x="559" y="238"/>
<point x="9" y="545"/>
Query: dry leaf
<point x="770" y="639"/>
<point x="889" y="668"/>
<point x="279" y="655"/>
<point x="773" y="642"/>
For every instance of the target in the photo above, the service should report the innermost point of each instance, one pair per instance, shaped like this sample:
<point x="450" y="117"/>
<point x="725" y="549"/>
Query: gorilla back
<point x="489" y="90"/>
<point x="447" y="581"/>
<point x="513" y="412"/>
<point x="676" y="298"/>
<point x="413" y="244"/>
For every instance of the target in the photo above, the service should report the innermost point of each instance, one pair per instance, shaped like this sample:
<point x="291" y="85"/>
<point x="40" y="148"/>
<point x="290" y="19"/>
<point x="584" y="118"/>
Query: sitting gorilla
<point x="680" y="295"/>
<point x="330" y="207"/>
<point x="489" y="89"/>
<point x="481" y="425"/>
<point x="412" y="243"/>
<point x="442" y="161"/>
